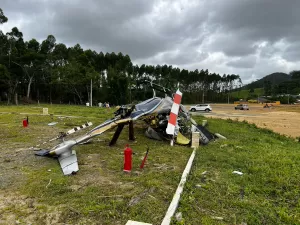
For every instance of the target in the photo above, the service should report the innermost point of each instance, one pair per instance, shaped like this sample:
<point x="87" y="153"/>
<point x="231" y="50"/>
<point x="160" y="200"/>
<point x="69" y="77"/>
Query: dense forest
<point x="278" y="83"/>
<point x="276" y="86"/>
<point x="51" y="72"/>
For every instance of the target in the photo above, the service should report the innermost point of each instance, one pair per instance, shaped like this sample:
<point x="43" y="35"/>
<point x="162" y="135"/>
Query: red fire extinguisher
<point x="127" y="159"/>
<point x="25" y="123"/>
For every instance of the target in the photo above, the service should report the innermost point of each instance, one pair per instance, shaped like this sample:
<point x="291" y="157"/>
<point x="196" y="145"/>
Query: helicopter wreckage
<point x="166" y="118"/>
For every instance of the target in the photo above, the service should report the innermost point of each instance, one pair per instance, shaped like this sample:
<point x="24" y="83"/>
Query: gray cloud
<point x="292" y="53"/>
<point x="245" y="62"/>
<point x="248" y="37"/>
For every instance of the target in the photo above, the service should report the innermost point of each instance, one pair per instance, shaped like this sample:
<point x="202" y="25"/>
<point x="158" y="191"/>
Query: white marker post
<point x="174" y="204"/>
<point x="131" y="222"/>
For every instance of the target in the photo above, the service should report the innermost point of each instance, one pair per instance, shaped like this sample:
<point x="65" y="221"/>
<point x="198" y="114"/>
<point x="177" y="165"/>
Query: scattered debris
<point x="198" y="185"/>
<point x="217" y="218"/>
<point x="131" y="222"/>
<point x="52" y="123"/>
<point x="178" y="216"/>
<point x="49" y="170"/>
<point x="237" y="172"/>
<point x="203" y="173"/>
<point x="220" y="136"/>
<point x="152" y="196"/>
<point x="48" y="183"/>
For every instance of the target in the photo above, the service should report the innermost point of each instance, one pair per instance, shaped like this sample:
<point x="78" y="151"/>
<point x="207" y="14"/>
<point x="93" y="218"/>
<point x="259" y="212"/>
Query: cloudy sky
<point x="251" y="38"/>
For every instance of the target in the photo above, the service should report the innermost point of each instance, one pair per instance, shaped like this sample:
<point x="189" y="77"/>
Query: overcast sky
<point x="251" y="38"/>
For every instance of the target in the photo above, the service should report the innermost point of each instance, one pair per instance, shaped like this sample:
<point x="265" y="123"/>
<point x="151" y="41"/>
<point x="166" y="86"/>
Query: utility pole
<point x="91" y="95"/>
<point x="228" y="98"/>
<point x="130" y="84"/>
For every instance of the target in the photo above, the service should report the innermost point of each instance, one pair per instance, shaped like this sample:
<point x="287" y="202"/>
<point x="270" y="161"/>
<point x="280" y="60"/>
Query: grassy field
<point x="244" y="94"/>
<point x="33" y="189"/>
<point x="268" y="192"/>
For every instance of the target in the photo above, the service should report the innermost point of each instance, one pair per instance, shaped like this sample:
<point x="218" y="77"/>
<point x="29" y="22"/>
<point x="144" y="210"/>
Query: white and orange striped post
<point x="173" y="115"/>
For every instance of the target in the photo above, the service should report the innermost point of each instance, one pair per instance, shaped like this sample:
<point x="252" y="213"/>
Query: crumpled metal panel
<point x="68" y="162"/>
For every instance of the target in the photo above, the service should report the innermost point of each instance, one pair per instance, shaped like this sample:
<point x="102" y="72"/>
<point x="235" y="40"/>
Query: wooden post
<point x="131" y="131"/>
<point x="195" y="139"/>
<point x="117" y="134"/>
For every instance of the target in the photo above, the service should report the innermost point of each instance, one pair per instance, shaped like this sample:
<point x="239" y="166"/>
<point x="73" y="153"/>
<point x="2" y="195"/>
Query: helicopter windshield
<point x="146" y="107"/>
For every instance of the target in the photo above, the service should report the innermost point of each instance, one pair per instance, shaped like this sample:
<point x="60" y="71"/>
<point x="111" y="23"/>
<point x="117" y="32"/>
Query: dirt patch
<point x="278" y="119"/>
<point x="19" y="209"/>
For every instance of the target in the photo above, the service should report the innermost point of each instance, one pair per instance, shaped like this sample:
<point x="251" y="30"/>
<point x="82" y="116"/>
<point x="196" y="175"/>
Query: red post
<point x="144" y="160"/>
<point x="25" y="124"/>
<point x="127" y="159"/>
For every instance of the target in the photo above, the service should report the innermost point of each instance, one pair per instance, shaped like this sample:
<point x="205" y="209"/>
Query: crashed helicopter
<point x="155" y="112"/>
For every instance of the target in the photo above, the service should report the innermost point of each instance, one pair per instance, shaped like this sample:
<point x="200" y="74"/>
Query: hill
<point x="274" y="78"/>
<point x="245" y="94"/>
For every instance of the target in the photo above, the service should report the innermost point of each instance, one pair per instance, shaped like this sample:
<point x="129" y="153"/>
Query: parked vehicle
<point x="241" y="107"/>
<point x="201" y="107"/>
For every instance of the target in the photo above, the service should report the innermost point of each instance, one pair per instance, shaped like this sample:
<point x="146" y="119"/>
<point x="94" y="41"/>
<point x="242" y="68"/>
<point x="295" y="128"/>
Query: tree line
<point x="291" y="86"/>
<point x="51" y="72"/>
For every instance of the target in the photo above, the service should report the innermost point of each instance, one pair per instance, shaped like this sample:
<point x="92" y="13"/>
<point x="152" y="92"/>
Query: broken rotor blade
<point x="64" y="134"/>
<point x="79" y="128"/>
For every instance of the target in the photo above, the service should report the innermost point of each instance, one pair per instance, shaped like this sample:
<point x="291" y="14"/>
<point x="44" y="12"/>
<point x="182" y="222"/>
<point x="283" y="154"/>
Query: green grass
<point x="267" y="192"/>
<point x="36" y="191"/>
<point x="244" y="94"/>
<point x="56" y="109"/>
<point x="100" y="193"/>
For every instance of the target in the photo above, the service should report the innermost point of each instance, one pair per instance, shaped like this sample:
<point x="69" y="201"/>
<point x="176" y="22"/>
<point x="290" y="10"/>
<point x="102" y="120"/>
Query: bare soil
<point x="281" y="119"/>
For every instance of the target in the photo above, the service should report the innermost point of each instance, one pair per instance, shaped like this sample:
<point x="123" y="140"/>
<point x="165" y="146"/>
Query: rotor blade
<point x="64" y="134"/>
<point x="79" y="128"/>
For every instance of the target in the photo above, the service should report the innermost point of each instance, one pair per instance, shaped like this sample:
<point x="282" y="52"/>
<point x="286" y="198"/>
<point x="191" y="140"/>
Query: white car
<point x="201" y="107"/>
<point x="241" y="107"/>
